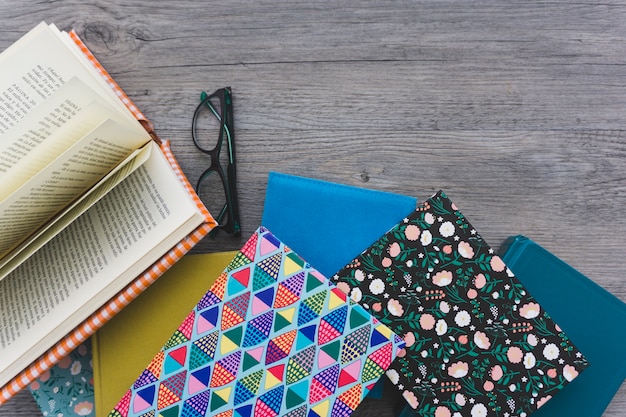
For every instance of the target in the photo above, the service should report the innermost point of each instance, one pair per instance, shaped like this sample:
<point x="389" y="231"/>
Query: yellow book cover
<point x="128" y="341"/>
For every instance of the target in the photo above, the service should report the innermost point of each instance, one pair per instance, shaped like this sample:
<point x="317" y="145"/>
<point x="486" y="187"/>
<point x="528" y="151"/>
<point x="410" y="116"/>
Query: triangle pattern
<point x="268" y="244"/>
<point x="352" y="397"/>
<point x="207" y="320"/>
<point x="266" y="340"/>
<point x="271" y="265"/>
<point x="248" y="387"/>
<point x="186" y="328"/>
<point x="245" y="411"/>
<point x="306" y="336"/>
<point x="209" y="299"/>
<point x="199" y="403"/>
<point x="274" y="376"/>
<point x="355" y="344"/>
<point x="292" y="264"/>
<point x="279" y="347"/>
<point x="332" y="325"/>
<point x="225" y="370"/>
<point x="144" y="379"/>
<point x="337" y="298"/>
<point x="289" y="291"/>
<point x="300" y="365"/>
<point x="261" y="279"/>
<point x="313" y="282"/>
<point x="144" y="398"/>
<point x="328" y="354"/>
<point x="170" y="412"/>
<point x="270" y="402"/>
<point x="240" y="260"/>
<point x="249" y="248"/>
<point x="199" y="380"/>
<point x="252" y="358"/>
<point x="358" y="317"/>
<point x="297" y="394"/>
<point x="231" y="340"/>
<point x="284" y="318"/>
<point x="258" y="329"/>
<point x="219" y="287"/>
<point x="171" y="390"/>
<point x="124" y="405"/>
<point x="262" y="301"/>
<point x="340" y="409"/>
<point x="350" y="374"/>
<point x="175" y="359"/>
<point x="311" y="307"/>
<point x="234" y="311"/>
<point x="220" y="398"/>
<point x="239" y="281"/>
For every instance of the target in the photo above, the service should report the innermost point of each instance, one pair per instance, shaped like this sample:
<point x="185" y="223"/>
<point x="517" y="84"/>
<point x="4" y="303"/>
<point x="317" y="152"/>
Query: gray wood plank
<point x="515" y="109"/>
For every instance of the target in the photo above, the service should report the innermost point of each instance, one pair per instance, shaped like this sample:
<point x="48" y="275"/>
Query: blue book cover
<point x="327" y="223"/>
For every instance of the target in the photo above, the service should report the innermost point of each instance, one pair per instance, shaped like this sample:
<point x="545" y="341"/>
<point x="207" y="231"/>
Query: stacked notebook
<point x="271" y="337"/>
<point x="477" y="342"/>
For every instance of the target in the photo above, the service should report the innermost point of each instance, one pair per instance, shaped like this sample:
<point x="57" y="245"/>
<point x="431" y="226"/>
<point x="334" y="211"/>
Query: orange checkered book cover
<point x="143" y="281"/>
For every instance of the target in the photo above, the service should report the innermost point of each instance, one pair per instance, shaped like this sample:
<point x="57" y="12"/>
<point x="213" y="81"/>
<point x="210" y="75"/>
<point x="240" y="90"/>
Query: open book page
<point x="91" y="260"/>
<point x="38" y="64"/>
<point x="35" y="241"/>
<point x="61" y="130"/>
<point x="61" y="182"/>
<point x="69" y="114"/>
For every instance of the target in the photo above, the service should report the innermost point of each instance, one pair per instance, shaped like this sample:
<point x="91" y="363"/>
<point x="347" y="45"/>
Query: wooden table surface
<point x="516" y="109"/>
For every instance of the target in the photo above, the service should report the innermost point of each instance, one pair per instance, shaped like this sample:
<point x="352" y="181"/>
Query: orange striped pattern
<point x="116" y="88"/>
<point x="122" y="299"/>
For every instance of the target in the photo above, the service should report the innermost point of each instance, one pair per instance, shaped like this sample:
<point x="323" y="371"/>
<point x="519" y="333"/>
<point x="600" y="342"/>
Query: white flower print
<point x="76" y="368"/>
<point x="444" y="307"/>
<point x="393" y="376"/>
<point x="529" y="360"/>
<point x="551" y="351"/>
<point x="426" y="238"/>
<point x="377" y="286"/>
<point x="479" y="410"/>
<point x="429" y="218"/>
<point x="446" y="229"/>
<point x="441" y="327"/>
<point x="356" y="294"/>
<point x="462" y="318"/>
<point x="359" y="275"/>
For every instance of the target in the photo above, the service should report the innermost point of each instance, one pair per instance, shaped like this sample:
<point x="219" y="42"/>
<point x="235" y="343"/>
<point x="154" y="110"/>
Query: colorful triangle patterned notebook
<point x="477" y="343"/>
<point x="272" y="337"/>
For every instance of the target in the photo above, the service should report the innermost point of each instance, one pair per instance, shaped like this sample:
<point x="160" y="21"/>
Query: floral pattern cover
<point x="477" y="343"/>
<point x="66" y="389"/>
<point x="272" y="337"/>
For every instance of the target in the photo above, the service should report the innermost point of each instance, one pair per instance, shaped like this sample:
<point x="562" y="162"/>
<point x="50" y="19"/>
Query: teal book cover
<point x="591" y="316"/>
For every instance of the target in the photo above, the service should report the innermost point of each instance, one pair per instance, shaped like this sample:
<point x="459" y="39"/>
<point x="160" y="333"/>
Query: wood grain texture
<point x="516" y="109"/>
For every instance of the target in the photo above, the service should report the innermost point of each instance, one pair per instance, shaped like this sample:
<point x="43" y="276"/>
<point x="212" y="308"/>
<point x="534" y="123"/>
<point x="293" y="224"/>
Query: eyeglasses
<point x="214" y="118"/>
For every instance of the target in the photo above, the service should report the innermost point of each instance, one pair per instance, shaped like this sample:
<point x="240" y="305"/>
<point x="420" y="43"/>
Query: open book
<point x="90" y="200"/>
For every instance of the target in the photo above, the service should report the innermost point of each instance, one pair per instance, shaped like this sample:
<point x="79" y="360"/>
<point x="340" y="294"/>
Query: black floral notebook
<point x="477" y="343"/>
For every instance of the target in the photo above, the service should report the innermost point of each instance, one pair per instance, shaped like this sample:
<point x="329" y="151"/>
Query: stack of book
<point x="338" y="287"/>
